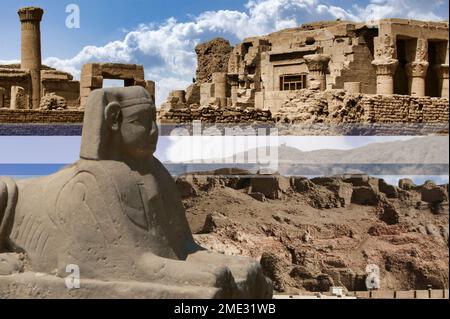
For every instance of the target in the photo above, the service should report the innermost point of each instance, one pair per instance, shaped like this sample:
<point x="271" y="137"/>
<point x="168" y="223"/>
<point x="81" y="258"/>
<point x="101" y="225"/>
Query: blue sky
<point x="162" y="34"/>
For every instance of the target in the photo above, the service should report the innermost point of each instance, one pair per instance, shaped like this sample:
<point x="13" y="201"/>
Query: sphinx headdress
<point x="96" y="136"/>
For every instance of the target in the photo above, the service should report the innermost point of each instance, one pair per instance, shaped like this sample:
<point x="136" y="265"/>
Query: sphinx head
<point x="119" y="123"/>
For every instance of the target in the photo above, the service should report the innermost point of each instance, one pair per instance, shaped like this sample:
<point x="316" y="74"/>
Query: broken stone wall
<point x="61" y="84"/>
<point x="213" y="114"/>
<point x="332" y="106"/>
<point x="359" y="66"/>
<point x="39" y="116"/>
<point x="338" y="106"/>
<point x="69" y="90"/>
<point x="212" y="57"/>
<point x="13" y="77"/>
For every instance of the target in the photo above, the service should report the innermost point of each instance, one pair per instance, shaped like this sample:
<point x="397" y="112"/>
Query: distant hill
<point x="420" y="150"/>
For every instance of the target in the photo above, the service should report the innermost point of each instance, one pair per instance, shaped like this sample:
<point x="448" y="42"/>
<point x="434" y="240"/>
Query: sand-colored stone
<point x="116" y="213"/>
<point x="220" y="87"/>
<point x="2" y="97"/>
<point x="386" y="57"/>
<point x="317" y="66"/>
<point x="352" y="87"/>
<point x="30" y="18"/>
<point x="93" y="74"/>
<point x="264" y="72"/>
<point x="18" y="98"/>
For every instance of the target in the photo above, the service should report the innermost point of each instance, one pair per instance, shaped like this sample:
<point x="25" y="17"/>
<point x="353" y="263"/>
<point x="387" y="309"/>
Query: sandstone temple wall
<point x="41" y="116"/>
<point x="331" y="106"/>
<point x="10" y="78"/>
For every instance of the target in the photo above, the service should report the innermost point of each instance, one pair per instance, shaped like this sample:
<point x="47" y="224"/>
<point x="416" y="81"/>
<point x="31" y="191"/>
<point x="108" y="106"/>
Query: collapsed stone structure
<point x="37" y="82"/>
<point x="387" y="57"/>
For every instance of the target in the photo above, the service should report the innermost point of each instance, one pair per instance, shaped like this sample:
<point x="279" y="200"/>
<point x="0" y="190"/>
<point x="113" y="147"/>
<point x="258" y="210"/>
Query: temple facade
<point x="390" y="56"/>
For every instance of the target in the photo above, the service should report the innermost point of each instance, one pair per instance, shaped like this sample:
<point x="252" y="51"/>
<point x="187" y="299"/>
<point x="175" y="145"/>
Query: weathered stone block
<point x="364" y="195"/>
<point x="271" y="186"/>
<point x="389" y="190"/>
<point x="88" y="81"/>
<point x="18" y="98"/>
<point x="431" y="193"/>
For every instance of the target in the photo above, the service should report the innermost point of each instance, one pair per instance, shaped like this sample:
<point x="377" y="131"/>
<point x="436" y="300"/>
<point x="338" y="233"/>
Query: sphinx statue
<point x="117" y="214"/>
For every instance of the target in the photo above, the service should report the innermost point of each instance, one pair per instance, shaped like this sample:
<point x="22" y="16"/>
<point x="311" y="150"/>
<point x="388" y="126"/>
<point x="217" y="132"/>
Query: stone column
<point x="234" y="83"/>
<point x="179" y="95"/>
<point x="2" y="97"/>
<point x="317" y="66"/>
<point x="445" y="87"/>
<point x="385" y="75"/>
<point x="417" y="71"/>
<point x="385" y="62"/>
<point x="30" y="18"/>
<point x="18" y="98"/>
<point x="220" y="87"/>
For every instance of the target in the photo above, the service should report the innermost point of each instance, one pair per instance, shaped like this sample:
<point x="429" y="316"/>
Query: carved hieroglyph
<point x="116" y="213"/>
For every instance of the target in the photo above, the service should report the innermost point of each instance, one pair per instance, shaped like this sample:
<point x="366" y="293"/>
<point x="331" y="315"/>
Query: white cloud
<point x="411" y="9"/>
<point x="9" y="61"/>
<point x="167" y="50"/>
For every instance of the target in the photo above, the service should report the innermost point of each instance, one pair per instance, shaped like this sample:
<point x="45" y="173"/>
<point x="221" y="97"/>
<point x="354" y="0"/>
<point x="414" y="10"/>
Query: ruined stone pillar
<point x="90" y="80"/>
<point x="151" y="89"/>
<point x="385" y="75"/>
<point x="234" y="83"/>
<point x="18" y="98"/>
<point x="417" y="71"/>
<point x="220" y="87"/>
<point x="445" y="87"/>
<point x="30" y="18"/>
<point x="317" y="66"/>
<point x="180" y="95"/>
<point x="2" y="97"/>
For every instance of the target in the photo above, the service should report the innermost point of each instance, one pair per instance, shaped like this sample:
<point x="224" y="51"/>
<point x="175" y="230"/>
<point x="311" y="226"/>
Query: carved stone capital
<point x="417" y="69"/>
<point x="317" y="62"/>
<point x="30" y="14"/>
<point x="422" y="49"/>
<point x="385" y="66"/>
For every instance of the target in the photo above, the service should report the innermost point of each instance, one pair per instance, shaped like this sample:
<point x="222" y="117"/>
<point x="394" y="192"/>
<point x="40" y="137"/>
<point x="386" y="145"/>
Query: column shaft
<point x="445" y="86"/>
<point x="220" y="87"/>
<point x="30" y="19"/>
<point x="385" y="75"/>
<point x="417" y="71"/>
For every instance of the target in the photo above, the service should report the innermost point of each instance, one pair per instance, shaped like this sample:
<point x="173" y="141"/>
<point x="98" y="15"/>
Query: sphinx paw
<point x="11" y="263"/>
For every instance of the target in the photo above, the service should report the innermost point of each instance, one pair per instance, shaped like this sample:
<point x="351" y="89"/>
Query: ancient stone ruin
<point x="117" y="215"/>
<point x="93" y="74"/>
<point x="264" y="78"/>
<point x="39" y="85"/>
<point x="383" y="61"/>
